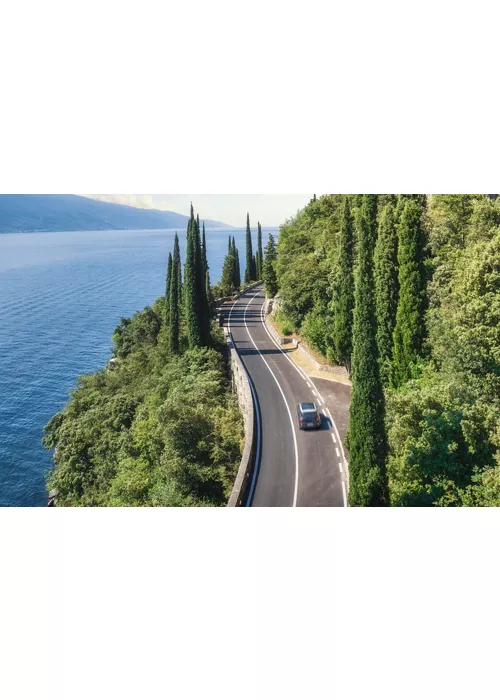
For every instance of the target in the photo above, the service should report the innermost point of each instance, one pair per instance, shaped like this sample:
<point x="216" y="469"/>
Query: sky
<point x="269" y="209"/>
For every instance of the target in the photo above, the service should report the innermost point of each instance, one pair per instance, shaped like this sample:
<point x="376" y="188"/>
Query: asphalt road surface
<point x="295" y="468"/>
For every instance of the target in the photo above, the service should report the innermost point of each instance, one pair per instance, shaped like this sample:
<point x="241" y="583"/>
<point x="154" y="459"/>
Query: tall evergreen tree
<point x="167" y="291"/>
<point x="175" y="300"/>
<point x="177" y="265"/>
<point x="201" y="290"/>
<point x="259" y="255"/>
<point x="236" y="262"/>
<point x="367" y="438"/>
<point x="409" y="332"/>
<point x="386" y="288"/>
<point x="250" y="271"/>
<point x="268" y="268"/>
<point x="191" y="302"/>
<point x="343" y="303"/>
<point x="204" y="258"/>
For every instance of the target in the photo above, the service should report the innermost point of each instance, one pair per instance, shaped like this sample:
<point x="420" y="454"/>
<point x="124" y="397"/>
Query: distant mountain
<point x="69" y="212"/>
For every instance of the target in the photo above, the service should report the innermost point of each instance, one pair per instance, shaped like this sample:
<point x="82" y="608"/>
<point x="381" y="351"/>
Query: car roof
<point x="307" y="407"/>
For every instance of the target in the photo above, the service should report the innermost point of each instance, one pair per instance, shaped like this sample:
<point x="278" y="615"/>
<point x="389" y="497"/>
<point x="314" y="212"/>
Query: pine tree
<point x="194" y="332"/>
<point x="343" y="305"/>
<point x="167" y="291"/>
<point x="386" y="288"/>
<point x="259" y="256"/>
<point x="367" y="438"/>
<point x="268" y="269"/>
<point x="409" y="332"/>
<point x="249" y="272"/>
<point x="175" y="300"/>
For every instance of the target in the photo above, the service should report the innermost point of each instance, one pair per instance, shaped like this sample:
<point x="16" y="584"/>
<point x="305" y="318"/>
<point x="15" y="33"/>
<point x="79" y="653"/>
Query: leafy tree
<point x="343" y="303"/>
<point x="227" y="285"/>
<point x="367" y="438"/>
<point x="268" y="268"/>
<point x="250" y="269"/>
<point x="409" y="332"/>
<point x="386" y="288"/>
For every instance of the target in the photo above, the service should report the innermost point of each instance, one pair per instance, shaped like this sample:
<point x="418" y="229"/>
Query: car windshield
<point x="306" y="407"/>
<point x="309" y="414"/>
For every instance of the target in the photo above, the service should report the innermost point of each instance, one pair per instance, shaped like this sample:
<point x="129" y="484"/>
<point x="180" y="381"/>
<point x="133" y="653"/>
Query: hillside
<point x="68" y="212"/>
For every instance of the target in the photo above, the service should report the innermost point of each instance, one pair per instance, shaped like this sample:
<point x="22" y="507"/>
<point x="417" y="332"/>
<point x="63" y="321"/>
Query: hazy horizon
<point x="268" y="209"/>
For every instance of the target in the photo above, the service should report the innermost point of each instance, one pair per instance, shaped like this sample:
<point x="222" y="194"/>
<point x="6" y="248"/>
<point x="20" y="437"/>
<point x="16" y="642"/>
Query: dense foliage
<point x="435" y="307"/>
<point x="162" y="427"/>
<point x="367" y="439"/>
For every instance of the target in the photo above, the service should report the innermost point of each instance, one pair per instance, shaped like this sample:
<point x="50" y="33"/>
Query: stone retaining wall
<point x="243" y="391"/>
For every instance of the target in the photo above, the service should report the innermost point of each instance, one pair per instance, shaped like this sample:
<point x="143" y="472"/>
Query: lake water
<point x="61" y="297"/>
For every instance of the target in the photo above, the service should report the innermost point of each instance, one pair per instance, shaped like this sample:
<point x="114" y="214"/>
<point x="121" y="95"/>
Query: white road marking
<point x="344" y="493"/>
<point x="334" y="438"/>
<point x="310" y="387"/>
<point x="341" y="467"/>
<point x="337" y="451"/>
<point x="296" y="491"/>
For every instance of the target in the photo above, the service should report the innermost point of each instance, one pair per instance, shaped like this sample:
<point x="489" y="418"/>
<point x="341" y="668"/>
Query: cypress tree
<point x="367" y="438"/>
<point x="238" y="269"/>
<point x="268" y="269"/>
<point x="343" y="306"/>
<point x="236" y="263"/>
<point x="190" y="287"/>
<point x="168" y="288"/>
<point x="177" y="264"/>
<point x="201" y="290"/>
<point x="386" y="288"/>
<point x="259" y="253"/>
<point x="175" y="298"/>
<point x="249" y="272"/>
<point x="208" y="289"/>
<point x="204" y="258"/>
<point x="409" y="332"/>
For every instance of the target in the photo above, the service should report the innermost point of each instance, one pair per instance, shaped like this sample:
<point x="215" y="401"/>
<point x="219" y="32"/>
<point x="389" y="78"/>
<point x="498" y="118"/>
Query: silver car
<point x="308" y="416"/>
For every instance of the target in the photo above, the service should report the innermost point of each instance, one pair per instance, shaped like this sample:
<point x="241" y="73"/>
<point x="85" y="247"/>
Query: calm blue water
<point x="61" y="297"/>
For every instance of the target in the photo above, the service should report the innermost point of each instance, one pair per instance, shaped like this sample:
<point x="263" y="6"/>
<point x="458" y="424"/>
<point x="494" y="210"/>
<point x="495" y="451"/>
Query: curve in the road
<point x="289" y="471"/>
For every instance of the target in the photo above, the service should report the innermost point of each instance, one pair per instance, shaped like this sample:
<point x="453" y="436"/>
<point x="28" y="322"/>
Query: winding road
<point x="294" y="468"/>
